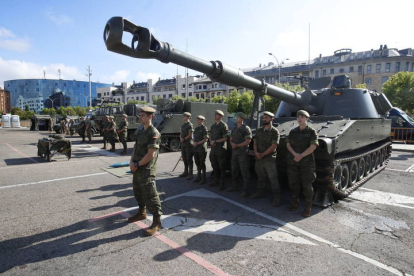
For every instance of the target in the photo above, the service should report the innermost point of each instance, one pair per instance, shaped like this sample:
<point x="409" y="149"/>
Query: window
<point x="407" y="66"/>
<point x="212" y="95"/>
<point x="341" y="70"/>
<point x="324" y="72"/>
<point x="142" y="98"/>
<point x="378" y="68"/>
<point x="317" y="74"/>
<point x="397" y="66"/>
<point x="218" y="93"/>
<point x="368" y="69"/>
<point x="205" y="86"/>
<point x="64" y="84"/>
<point x="56" y="84"/>
<point x="367" y="81"/>
<point x="351" y="69"/>
<point x="387" y="67"/>
<point x="183" y="86"/>
<point x="37" y="89"/>
<point x="384" y="79"/>
<point x="197" y="96"/>
<point x="332" y="71"/>
<point x="182" y="94"/>
<point x="164" y="96"/>
<point x="359" y="70"/>
<point x="190" y="94"/>
<point x="190" y="85"/>
<point x="169" y="96"/>
<point x="368" y="54"/>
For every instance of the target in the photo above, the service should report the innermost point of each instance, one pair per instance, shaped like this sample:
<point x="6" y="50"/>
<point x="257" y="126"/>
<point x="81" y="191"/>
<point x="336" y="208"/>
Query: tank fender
<point x="327" y="143"/>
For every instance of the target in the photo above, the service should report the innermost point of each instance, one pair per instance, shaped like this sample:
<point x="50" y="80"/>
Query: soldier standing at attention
<point x="122" y="132"/>
<point x="265" y="144"/>
<point x="219" y="133"/>
<point x="88" y="129"/>
<point x="111" y="132"/>
<point x="301" y="143"/>
<point x="200" y="149"/>
<point x="81" y="128"/>
<point x="186" y="139"/>
<point x="104" y="124"/>
<point x="240" y="138"/>
<point x="143" y="164"/>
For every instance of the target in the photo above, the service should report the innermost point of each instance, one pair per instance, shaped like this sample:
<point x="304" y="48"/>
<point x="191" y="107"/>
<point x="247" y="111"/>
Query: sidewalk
<point x="401" y="146"/>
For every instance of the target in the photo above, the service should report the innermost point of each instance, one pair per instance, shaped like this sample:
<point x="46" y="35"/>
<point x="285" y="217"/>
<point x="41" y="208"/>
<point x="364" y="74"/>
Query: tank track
<point x="328" y="182"/>
<point x="166" y="145"/>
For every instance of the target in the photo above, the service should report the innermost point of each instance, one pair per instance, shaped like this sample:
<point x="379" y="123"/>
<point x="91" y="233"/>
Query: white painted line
<point x="395" y="170"/>
<point x="410" y="168"/>
<point x="94" y="149"/>
<point x="379" y="197"/>
<point x="52" y="180"/>
<point x="206" y="193"/>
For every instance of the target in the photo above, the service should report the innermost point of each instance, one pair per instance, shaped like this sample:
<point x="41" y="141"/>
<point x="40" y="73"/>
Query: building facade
<point x="5" y="104"/>
<point x="69" y="92"/>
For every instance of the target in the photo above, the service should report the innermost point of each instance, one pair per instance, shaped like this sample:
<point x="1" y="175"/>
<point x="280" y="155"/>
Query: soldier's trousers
<point x="240" y="166"/>
<point x="89" y="134"/>
<point x="145" y="191"/>
<point x="266" y="170"/>
<point x="200" y="160"/>
<point x="82" y="134"/>
<point x="301" y="177"/>
<point x="105" y="139"/>
<point x="122" y="139"/>
<point x="218" y="162"/>
<point x="187" y="155"/>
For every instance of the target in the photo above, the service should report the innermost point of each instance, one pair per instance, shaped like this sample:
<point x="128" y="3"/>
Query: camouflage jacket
<point x="200" y="133"/>
<point x="265" y="138"/>
<point x="111" y="133"/>
<point x="300" y="140"/>
<point x="186" y="128"/>
<point x="218" y="131"/>
<point x="144" y="140"/>
<point x="81" y="125"/>
<point x="123" y="124"/>
<point x="88" y="125"/>
<point x="241" y="134"/>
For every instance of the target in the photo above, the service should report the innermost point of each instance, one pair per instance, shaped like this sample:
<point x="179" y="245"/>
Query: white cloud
<point x="141" y="76"/>
<point x="17" y="45"/>
<point x="15" y="69"/>
<point x="120" y="76"/>
<point x="58" y="19"/>
<point x="5" y="33"/>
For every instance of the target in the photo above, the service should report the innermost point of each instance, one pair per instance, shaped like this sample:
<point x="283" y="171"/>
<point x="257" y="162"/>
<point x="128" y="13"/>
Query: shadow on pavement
<point x="23" y="161"/>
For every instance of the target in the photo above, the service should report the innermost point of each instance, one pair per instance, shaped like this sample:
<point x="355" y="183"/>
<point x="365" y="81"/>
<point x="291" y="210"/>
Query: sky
<point x="37" y="36"/>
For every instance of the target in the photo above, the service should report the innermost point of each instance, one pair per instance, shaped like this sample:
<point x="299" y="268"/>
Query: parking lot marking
<point x="35" y="161"/>
<point x="183" y="250"/>
<point x="52" y="180"/>
<point x="410" y="168"/>
<point x="94" y="150"/>
<point x="379" y="197"/>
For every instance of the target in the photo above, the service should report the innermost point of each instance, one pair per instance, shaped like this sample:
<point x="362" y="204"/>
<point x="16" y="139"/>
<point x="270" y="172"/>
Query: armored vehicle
<point x="40" y="122"/>
<point x="168" y="118"/>
<point x="57" y="128"/>
<point x="354" y="135"/>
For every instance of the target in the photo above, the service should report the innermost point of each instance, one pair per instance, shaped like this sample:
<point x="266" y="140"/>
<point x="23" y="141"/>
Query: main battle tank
<point x="354" y="135"/>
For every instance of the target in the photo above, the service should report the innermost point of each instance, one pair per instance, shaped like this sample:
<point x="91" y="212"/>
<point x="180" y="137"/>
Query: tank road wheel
<point x="361" y="168"/>
<point x="343" y="178"/>
<point x="337" y="176"/>
<point x="373" y="161"/>
<point x="368" y="164"/>
<point x="353" y="173"/>
<point x="384" y="154"/>
<point x="175" y="144"/>
<point x="164" y="140"/>
<point x="380" y="158"/>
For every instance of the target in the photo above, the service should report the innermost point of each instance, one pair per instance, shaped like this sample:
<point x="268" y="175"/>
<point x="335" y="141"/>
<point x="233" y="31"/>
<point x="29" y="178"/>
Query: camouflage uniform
<point x="103" y="126"/>
<point x="112" y="135"/>
<point x="123" y="135"/>
<point x="81" y="130"/>
<point x="218" y="152"/>
<point x="187" y="148"/>
<point x="302" y="173"/>
<point x="145" y="190"/>
<point x="89" y="130"/>
<point x="266" y="167"/>
<point x="240" y="156"/>
<point x="200" y="151"/>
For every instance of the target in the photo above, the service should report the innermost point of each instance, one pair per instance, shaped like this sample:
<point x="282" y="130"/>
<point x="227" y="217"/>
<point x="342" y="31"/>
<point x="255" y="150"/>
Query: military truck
<point x="56" y="127"/>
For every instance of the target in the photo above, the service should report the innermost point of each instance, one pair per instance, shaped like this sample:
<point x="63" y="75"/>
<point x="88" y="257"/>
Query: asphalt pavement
<point x="68" y="217"/>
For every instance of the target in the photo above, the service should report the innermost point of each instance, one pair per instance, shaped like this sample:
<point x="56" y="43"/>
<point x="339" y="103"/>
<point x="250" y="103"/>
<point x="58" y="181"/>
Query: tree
<point x="233" y="101"/>
<point x="70" y="111"/>
<point x="133" y="101"/>
<point x="61" y="110"/>
<point x="219" y="99"/>
<point x="27" y="108"/>
<point x="361" y="86"/>
<point x="400" y="90"/>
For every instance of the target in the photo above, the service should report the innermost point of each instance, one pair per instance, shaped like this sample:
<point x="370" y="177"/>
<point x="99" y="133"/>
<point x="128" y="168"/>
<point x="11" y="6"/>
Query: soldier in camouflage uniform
<point x="123" y="132"/>
<point x="186" y="139"/>
<point x="301" y="143"/>
<point x="88" y="129"/>
<point x="240" y="138"/>
<point x="143" y="164"/>
<point x="111" y="132"/>
<point x="200" y="149"/>
<point x="219" y="133"/>
<point x="81" y="128"/>
<point x="103" y="131"/>
<point x="265" y="144"/>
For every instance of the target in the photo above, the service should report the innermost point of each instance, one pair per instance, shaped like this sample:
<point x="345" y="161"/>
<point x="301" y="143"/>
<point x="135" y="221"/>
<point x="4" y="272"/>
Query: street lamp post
<point x="86" y="100"/>
<point x="51" y="101"/>
<point x="278" y="64"/>
<point x="90" y="91"/>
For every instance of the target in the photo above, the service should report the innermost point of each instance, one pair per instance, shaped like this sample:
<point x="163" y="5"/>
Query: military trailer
<point x="354" y="133"/>
<point x="48" y="147"/>
<point x="40" y="122"/>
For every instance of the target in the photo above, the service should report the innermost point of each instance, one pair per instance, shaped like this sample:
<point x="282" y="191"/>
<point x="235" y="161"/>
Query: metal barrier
<point x="402" y="134"/>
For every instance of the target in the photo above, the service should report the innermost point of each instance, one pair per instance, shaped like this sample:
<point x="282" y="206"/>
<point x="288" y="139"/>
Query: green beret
<point x="303" y="113"/>
<point x="111" y="117"/>
<point x="241" y="115"/>
<point x="124" y="115"/>
<point x="147" y="109"/>
<point x="106" y="116"/>
<point x="268" y="113"/>
<point x="188" y="114"/>
<point x="201" y="117"/>
<point x="219" y="112"/>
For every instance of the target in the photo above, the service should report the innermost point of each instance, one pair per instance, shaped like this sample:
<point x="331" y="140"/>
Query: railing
<point x="402" y="134"/>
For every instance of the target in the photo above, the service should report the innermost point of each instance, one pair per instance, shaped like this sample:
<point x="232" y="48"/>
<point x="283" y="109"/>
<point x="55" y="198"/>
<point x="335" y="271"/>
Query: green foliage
<point x="399" y="89"/>
<point x="26" y="108"/>
<point x="233" y="101"/>
<point x="133" y="101"/>
<point x="219" y="99"/>
<point x="176" y="97"/>
<point x="287" y="86"/>
<point x="195" y="99"/>
<point x="61" y="110"/>
<point x="271" y="104"/>
<point x="70" y="111"/>
<point x="24" y="115"/>
<point x="361" y="86"/>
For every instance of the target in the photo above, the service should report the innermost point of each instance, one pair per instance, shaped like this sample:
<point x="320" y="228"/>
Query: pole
<point x="90" y="90"/>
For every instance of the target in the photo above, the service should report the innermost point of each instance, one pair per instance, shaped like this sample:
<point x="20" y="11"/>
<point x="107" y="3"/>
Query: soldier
<point x="143" y="164"/>
<point x="111" y="132"/>
<point x="103" y="130"/>
<point x="81" y="129"/>
<point x="71" y="129"/>
<point x="301" y="143"/>
<point x="219" y="133"/>
<point x="240" y="138"/>
<point x="88" y="129"/>
<point x="123" y="133"/>
<point x="186" y="139"/>
<point x="200" y="149"/>
<point x="265" y="144"/>
<point x="62" y="127"/>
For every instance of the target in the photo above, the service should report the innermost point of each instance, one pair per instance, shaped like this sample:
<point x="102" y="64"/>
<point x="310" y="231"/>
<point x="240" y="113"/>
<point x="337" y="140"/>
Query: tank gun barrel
<point x="144" y="45"/>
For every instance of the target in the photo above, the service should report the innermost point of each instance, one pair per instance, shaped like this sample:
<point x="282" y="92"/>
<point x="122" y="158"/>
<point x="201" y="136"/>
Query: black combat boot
<point x="104" y="147"/>
<point x="215" y="181"/>
<point x="203" y="177"/>
<point x="294" y="204"/>
<point x="233" y="187"/>
<point x="155" y="226"/>
<point x="276" y="200"/>
<point x="185" y="173"/>
<point x="198" y="178"/>
<point x="222" y="186"/>
<point x="308" y="209"/>
<point x="124" y="152"/>
<point x="259" y="194"/>
<point x="245" y="193"/>
<point x="140" y="215"/>
<point x="190" y="172"/>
